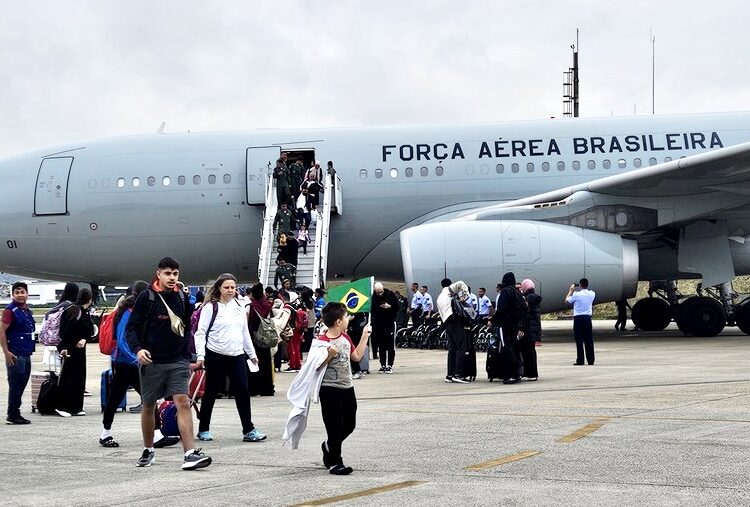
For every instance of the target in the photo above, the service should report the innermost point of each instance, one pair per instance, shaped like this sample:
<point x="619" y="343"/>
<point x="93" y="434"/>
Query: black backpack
<point x="521" y="307"/>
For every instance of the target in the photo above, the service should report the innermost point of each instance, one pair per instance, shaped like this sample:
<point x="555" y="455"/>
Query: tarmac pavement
<point x="661" y="419"/>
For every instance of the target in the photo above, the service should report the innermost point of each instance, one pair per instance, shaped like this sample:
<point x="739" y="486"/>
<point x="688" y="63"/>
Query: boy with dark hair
<point x="17" y="340"/>
<point x="157" y="334"/>
<point x="338" y="403"/>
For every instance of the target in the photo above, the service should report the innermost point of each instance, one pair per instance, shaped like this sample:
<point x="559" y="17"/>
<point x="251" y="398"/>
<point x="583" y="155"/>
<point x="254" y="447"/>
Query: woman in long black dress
<point x="532" y="330"/>
<point x="75" y="329"/>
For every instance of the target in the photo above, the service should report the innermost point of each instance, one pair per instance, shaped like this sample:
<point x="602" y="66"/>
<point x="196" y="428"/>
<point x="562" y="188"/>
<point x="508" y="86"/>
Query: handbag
<point x="178" y="327"/>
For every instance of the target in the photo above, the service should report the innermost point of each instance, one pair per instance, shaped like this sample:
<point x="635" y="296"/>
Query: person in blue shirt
<point x="582" y="301"/>
<point x="17" y="340"/>
<point x="320" y="302"/>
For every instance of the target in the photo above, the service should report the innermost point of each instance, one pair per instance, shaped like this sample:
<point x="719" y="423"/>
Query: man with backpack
<point x="157" y="333"/>
<point x="17" y="340"/>
<point x="510" y="311"/>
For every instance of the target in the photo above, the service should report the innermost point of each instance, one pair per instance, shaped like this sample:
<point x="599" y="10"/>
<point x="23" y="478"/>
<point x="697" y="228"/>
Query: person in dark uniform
<point x="622" y="314"/>
<point x="510" y="310"/>
<point x="283" y="181"/>
<point x="532" y="330"/>
<point x="384" y="310"/>
<point x="261" y="382"/>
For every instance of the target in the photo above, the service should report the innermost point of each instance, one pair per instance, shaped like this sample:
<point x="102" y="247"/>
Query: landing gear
<point x="742" y="316"/>
<point x="701" y="316"/>
<point x="651" y="314"/>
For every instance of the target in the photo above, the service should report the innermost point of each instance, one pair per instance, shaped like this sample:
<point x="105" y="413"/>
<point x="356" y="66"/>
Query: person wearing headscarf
<point x="532" y="330"/>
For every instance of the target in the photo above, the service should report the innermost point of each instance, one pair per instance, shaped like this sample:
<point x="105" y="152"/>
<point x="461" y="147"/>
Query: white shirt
<point x="427" y="305"/>
<point x="473" y="301"/>
<point x="229" y="335"/>
<point x="582" y="301"/>
<point x="416" y="301"/>
<point x="484" y="305"/>
<point x="444" y="299"/>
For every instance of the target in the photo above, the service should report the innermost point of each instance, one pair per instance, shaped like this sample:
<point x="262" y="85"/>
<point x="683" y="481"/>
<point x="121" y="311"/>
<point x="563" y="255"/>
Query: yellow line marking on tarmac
<point x="586" y="430"/>
<point x="360" y="494"/>
<point x="502" y="461"/>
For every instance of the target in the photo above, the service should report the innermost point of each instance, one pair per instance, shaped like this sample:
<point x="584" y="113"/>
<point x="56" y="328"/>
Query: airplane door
<point x="259" y="162"/>
<point x="51" y="194"/>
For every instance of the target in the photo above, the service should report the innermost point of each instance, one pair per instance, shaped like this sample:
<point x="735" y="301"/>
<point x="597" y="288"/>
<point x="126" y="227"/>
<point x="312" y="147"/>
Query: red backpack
<point x="107" y="338"/>
<point x="301" y="321"/>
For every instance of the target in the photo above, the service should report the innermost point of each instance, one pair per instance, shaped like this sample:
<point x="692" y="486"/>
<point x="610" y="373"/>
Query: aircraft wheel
<point x="651" y="314"/>
<point x="742" y="317"/>
<point x="703" y="316"/>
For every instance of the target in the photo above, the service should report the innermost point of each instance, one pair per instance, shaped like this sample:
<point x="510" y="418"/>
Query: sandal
<point x="108" y="442"/>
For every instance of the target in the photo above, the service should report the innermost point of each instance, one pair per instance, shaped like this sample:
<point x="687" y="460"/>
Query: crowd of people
<point x="163" y="335"/>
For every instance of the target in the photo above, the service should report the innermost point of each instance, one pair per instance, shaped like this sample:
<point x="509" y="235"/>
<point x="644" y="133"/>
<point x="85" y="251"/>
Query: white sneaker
<point x="357" y="375"/>
<point x="389" y="369"/>
<point x="62" y="413"/>
<point x="81" y="413"/>
<point x="459" y="380"/>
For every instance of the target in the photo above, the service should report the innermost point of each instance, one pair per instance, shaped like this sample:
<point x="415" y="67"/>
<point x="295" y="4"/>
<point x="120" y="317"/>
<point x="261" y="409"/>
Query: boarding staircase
<point x="312" y="268"/>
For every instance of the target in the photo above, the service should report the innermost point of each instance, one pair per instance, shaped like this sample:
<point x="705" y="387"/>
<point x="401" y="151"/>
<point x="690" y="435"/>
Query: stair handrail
<point x="322" y="226"/>
<point x="267" y="238"/>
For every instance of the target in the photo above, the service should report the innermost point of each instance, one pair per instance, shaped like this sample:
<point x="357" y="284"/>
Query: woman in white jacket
<point x="222" y="343"/>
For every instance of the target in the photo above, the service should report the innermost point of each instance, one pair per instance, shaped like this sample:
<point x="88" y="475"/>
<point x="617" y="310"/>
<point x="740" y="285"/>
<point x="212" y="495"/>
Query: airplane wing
<point x="679" y="191"/>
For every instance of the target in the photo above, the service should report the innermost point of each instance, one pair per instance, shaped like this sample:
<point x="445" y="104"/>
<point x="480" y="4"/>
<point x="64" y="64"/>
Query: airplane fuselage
<point x="131" y="200"/>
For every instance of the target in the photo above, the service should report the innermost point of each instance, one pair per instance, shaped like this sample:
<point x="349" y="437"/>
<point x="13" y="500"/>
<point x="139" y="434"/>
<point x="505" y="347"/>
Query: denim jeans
<point x="18" y="377"/>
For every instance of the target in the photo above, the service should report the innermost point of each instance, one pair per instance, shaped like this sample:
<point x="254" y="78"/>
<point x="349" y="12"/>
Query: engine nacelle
<point x="554" y="256"/>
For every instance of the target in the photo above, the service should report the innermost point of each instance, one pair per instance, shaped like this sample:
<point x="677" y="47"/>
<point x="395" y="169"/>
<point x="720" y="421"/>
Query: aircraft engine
<point x="552" y="255"/>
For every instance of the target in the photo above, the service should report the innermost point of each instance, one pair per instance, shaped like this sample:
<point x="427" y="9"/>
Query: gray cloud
<point x="81" y="69"/>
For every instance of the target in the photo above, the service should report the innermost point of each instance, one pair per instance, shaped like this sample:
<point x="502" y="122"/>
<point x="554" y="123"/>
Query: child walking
<point x="303" y="236"/>
<point x="338" y="402"/>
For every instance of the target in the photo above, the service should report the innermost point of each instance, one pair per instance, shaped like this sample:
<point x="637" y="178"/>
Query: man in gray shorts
<point x="163" y="357"/>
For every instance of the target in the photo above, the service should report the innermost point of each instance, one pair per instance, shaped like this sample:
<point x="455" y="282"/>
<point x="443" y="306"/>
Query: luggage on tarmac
<point x="167" y="419"/>
<point x="196" y="388"/>
<point x="494" y="360"/>
<point x="37" y="379"/>
<point x="470" y="360"/>
<point x="105" y="389"/>
<point x="48" y="394"/>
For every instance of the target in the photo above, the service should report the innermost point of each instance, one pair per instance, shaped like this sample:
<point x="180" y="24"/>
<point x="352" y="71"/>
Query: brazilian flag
<point x="357" y="295"/>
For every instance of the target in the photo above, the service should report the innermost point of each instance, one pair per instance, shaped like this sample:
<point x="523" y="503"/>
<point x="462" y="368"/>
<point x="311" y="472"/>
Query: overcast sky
<point x="82" y="69"/>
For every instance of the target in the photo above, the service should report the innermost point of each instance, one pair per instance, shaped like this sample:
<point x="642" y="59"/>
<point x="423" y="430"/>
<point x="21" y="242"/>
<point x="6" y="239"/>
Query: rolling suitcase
<point x="37" y="379"/>
<point x="470" y="361"/>
<point x="106" y="384"/>
<point x="494" y="365"/>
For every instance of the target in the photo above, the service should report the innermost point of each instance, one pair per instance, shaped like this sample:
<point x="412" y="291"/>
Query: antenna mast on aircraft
<point x="570" y="85"/>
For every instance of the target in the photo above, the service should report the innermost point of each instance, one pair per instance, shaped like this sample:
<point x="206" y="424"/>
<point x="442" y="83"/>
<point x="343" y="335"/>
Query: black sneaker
<point x="326" y="456"/>
<point x="17" y="420"/>
<point x="196" y="460"/>
<point x="147" y="459"/>
<point x="340" y="470"/>
<point x="166" y="442"/>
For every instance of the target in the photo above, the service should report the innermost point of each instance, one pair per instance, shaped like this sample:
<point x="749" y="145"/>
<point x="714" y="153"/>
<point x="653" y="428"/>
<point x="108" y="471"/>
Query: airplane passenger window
<point x="499" y="168"/>
<point x="378" y="173"/>
<point x="530" y="167"/>
<point x="166" y="180"/>
<point x="439" y="170"/>
<point x="105" y="183"/>
<point x="363" y="173"/>
<point x="409" y="172"/>
<point x="576" y="165"/>
<point x="607" y="164"/>
<point x="227" y="179"/>
<point x="545" y="166"/>
<point x="424" y="171"/>
<point x="136" y="182"/>
<point x="196" y="180"/>
<point x="667" y="159"/>
<point x="514" y="167"/>
<point x="592" y="164"/>
<point x="211" y="179"/>
<point x="151" y="181"/>
<point x="470" y="169"/>
<point x="92" y="183"/>
<point x="120" y="182"/>
<point x="637" y="162"/>
<point x="393" y="172"/>
<point x="652" y="161"/>
<point x="180" y="180"/>
<point x="621" y="163"/>
<point x="485" y="169"/>
<point x="561" y="166"/>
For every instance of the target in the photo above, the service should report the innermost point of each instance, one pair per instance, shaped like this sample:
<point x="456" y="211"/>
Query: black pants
<point x="261" y="382"/>
<point x="510" y="358"/>
<point x="382" y="336"/>
<point x="123" y="376"/>
<point x="584" y="334"/>
<point x="218" y="368"/>
<point x="457" y="346"/>
<point x="339" y="409"/>
<point x="527" y="349"/>
<point x="73" y="382"/>
<point x="622" y="317"/>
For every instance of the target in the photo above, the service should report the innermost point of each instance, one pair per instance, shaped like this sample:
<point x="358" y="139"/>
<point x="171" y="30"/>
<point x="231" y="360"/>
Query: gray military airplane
<point x="617" y="200"/>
